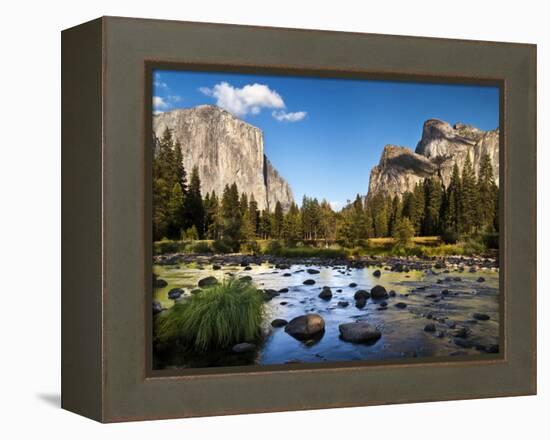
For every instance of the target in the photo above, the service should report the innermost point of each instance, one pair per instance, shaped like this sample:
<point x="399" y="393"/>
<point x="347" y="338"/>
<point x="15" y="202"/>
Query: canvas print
<point x="301" y="219"/>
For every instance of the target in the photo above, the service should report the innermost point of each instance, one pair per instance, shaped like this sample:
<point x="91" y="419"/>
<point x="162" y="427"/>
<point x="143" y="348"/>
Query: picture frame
<point x="106" y="193"/>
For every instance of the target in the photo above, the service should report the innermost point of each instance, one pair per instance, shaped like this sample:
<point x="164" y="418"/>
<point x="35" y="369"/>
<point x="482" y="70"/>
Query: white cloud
<point x="174" y="98"/>
<point x="288" y="116"/>
<point x="159" y="103"/>
<point x="160" y="84"/>
<point x="242" y="101"/>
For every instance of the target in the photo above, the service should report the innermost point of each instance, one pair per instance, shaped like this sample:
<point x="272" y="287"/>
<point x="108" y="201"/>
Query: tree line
<point x="469" y="204"/>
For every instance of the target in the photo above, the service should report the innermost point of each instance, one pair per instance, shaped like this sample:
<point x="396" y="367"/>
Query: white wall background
<point x="30" y="218"/>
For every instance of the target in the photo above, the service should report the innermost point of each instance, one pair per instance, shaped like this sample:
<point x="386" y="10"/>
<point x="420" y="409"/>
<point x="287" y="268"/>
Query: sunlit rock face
<point x="226" y="150"/>
<point x="440" y="147"/>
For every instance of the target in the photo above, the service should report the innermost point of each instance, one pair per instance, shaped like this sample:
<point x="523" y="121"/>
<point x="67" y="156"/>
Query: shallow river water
<point x="402" y="329"/>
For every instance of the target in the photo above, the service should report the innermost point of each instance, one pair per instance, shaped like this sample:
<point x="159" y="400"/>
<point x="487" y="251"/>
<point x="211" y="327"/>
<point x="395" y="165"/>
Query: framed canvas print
<point x="322" y="219"/>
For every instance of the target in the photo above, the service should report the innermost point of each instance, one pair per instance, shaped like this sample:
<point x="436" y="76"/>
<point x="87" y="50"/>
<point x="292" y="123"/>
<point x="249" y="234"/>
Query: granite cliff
<point x="226" y="150"/>
<point x="440" y="147"/>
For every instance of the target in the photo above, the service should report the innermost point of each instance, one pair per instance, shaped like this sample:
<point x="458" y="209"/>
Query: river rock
<point x="464" y="343"/>
<point x="208" y="281"/>
<point x="343" y="303"/>
<point x="378" y="292"/>
<point x="361" y="294"/>
<point x="325" y="294"/>
<point x="279" y="323"/>
<point x="353" y="284"/>
<point x="313" y="271"/>
<point x="269" y="294"/>
<point x="160" y="283"/>
<point x="175" y="293"/>
<point x="247" y="268"/>
<point x="401" y="305"/>
<point x="361" y="302"/>
<point x="216" y="267"/>
<point x="392" y="293"/>
<point x="429" y="328"/>
<point x="283" y="290"/>
<point x="481" y="280"/>
<point x="286" y="274"/>
<point x="481" y="316"/>
<point x="157" y="307"/>
<point x="359" y="332"/>
<point x="461" y="333"/>
<point x="309" y="282"/>
<point x="306" y="326"/>
<point x="377" y="273"/>
<point x="244" y="347"/>
<point x="246" y="278"/>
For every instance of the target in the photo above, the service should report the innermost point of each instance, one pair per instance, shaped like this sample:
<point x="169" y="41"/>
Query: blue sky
<point x="325" y="135"/>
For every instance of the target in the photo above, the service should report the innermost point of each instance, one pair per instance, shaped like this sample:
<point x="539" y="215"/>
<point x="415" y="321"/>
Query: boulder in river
<point x="325" y="294"/>
<point x="279" y="322"/>
<point x="157" y="307"/>
<point x="286" y="274"/>
<point x="353" y="284"/>
<point x="216" y="267"/>
<point x="208" y="281"/>
<point x="343" y="303"/>
<point x="269" y="294"/>
<point x="313" y="271"/>
<point x="244" y="347"/>
<point x="481" y="280"/>
<point x="246" y="278"/>
<point x="429" y="328"/>
<point x="305" y="327"/>
<point x="401" y="305"/>
<point x="360" y="302"/>
<point x="175" y="293"/>
<point x="359" y="332"/>
<point x="309" y="282"/>
<point x="361" y="294"/>
<point x="283" y="290"/>
<point x="481" y="316"/>
<point x="378" y="292"/>
<point x="160" y="283"/>
<point x="377" y="273"/>
<point x="464" y="343"/>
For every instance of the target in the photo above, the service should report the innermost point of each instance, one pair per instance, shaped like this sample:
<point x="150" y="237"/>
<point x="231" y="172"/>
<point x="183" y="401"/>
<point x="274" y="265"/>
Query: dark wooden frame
<point x="106" y="238"/>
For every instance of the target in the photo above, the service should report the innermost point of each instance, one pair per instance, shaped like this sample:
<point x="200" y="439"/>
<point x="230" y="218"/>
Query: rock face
<point x="226" y="150"/>
<point x="440" y="147"/>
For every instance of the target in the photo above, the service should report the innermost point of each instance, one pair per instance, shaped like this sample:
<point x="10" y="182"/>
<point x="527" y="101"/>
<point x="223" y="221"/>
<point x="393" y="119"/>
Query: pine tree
<point x="292" y="225"/>
<point x="179" y="170"/>
<point x="453" y="198"/>
<point x="468" y="198"/>
<point x="486" y="189"/>
<point x="253" y="214"/>
<point x="194" y="209"/>
<point x="232" y="218"/>
<point x="175" y="212"/>
<point x="264" y="228"/>
<point x="327" y="222"/>
<point x="432" y="205"/>
<point x="395" y="215"/>
<point x="277" y="221"/>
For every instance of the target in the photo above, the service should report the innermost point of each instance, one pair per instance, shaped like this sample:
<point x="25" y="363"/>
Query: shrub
<point x="404" y="232"/>
<point x="221" y="247"/>
<point x="274" y="247"/>
<point x="166" y="246"/>
<point x="491" y="240"/>
<point x="201" y="247"/>
<point x="450" y="237"/>
<point x="250" y="247"/>
<point x="191" y="233"/>
<point x="217" y="317"/>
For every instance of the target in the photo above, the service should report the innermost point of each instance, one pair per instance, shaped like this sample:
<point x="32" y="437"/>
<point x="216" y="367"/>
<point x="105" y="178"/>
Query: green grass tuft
<point x="217" y="317"/>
